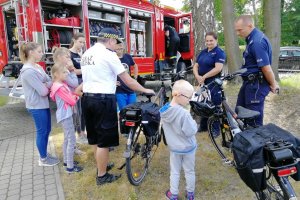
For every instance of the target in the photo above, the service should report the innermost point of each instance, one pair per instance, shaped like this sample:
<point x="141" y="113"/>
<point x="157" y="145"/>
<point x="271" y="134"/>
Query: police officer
<point x="100" y="67"/>
<point x="209" y="65"/>
<point x="259" y="78"/>
<point x="172" y="44"/>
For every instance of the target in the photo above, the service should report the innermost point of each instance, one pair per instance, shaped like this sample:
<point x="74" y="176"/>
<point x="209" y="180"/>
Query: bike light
<point x="129" y="123"/>
<point x="287" y="172"/>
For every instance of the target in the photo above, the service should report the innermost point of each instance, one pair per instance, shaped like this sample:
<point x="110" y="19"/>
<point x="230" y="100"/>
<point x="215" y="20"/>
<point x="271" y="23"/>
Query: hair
<point x="75" y="37"/>
<point x="103" y="40"/>
<point x="58" y="51"/>
<point x="56" y="68"/>
<point x="26" y="48"/>
<point x="247" y="19"/>
<point x="180" y="86"/>
<point x="213" y="34"/>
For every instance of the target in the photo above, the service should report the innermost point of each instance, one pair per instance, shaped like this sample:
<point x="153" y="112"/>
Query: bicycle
<point x="141" y="122"/>
<point x="232" y="124"/>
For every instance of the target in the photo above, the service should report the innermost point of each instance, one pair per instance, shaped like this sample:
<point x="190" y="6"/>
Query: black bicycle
<point x="233" y="123"/>
<point x="141" y="122"/>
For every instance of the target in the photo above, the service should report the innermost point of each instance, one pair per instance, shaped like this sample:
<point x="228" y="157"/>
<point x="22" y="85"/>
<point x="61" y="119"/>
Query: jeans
<point x="124" y="99"/>
<point x="42" y="120"/>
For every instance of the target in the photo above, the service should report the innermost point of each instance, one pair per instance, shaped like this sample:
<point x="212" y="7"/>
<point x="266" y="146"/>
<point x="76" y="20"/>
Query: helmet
<point x="203" y="108"/>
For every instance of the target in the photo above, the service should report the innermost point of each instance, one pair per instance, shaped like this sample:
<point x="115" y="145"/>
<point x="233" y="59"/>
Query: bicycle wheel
<point x="278" y="188"/>
<point x="136" y="159"/>
<point x="222" y="142"/>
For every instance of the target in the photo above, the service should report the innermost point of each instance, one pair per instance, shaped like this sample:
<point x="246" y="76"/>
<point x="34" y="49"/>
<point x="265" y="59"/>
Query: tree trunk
<point x="255" y="14"/>
<point x="272" y="24"/>
<point x="203" y="21"/>
<point x="231" y="41"/>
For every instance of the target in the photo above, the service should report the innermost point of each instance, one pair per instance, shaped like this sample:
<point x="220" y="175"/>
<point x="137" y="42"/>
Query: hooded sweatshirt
<point x="65" y="100"/>
<point x="179" y="128"/>
<point x="36" y="84"/>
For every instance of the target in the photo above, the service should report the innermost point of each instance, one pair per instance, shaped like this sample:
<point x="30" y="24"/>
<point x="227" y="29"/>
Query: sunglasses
<point x="189" y="98"/>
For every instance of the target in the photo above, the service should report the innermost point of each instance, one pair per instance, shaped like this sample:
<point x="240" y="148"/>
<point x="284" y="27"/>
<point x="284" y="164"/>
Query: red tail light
<point x="287" y="172"/>
<point x="129" y="123"/>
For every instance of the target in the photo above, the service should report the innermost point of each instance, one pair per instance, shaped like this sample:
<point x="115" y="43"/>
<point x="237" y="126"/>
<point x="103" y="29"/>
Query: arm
<point x="269" y="76"/>
<point x="78" y="90"/>
<point x="189" y="126"/>
<point x="216" y="70"/>
<point x="34" y="82"/>
<point x="133" y="84"/>
<point x="67" y="96"/>
<point x="135" y="71"/>
<point x="72" y="80"/>
<point x="197" y="76"/>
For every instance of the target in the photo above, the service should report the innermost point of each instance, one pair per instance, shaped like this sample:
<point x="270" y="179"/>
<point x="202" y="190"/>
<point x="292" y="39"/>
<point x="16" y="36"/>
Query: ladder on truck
<point x="23" y="37"/>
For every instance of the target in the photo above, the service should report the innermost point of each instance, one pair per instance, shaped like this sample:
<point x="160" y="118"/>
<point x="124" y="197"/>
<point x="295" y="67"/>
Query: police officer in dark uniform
<point x="209" y="65"/>
<point x="172" y="44"/>
<point x="259" y="79"/>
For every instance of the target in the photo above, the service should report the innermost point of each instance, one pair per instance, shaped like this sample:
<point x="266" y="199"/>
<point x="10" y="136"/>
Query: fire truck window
<point x="184" y="25"/>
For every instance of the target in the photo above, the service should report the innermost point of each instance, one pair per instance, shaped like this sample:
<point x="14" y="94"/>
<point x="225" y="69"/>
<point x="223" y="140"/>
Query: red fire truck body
<point x="139" y="22"/>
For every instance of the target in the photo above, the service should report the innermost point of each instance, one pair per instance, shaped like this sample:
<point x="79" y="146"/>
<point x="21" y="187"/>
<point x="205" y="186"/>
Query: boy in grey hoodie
<point x="180" y="130"/>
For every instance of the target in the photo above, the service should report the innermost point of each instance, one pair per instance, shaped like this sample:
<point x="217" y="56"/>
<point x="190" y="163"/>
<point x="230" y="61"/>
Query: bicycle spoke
<point x="137" y="163"/>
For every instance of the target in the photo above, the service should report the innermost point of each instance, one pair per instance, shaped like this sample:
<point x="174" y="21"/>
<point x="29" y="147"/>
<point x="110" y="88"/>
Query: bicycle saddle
<point x="244" y="113"/>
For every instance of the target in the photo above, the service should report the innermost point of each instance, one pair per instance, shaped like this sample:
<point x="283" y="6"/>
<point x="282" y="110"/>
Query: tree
<point x="271" y="11"/>
<point x="231" y="40"/>
<point x="203" y="21"/>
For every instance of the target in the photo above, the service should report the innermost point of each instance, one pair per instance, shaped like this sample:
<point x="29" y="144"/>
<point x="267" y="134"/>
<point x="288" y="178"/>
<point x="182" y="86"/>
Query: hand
<point x="70" y="66"/>
<point x="200" y="79"/>
<point x="275" y="88"/>
<point x="149" y="91"/>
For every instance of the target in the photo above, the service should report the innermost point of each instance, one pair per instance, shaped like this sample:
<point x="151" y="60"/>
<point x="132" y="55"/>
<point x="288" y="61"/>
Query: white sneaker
<point x="82" y="140"/>
<point x="77" y="151"/>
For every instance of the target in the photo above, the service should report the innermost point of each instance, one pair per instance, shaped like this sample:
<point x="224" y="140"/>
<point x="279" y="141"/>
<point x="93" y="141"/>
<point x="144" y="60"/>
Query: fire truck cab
<point x="53" y="22"/>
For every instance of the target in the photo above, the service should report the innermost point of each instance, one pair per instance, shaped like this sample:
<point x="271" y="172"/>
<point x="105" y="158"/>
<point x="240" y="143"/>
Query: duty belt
<point x="253" y="77"/>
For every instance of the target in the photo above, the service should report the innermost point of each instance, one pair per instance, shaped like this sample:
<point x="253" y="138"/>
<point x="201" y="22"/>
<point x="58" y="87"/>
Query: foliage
<point x="186" y="6"/>
<point x="290" y="23"/>
<point x="290" y="82"/>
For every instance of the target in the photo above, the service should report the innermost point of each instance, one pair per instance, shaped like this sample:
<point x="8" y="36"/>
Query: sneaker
<point x="190" y="196"/>
<point x="74" y="169"/>
<point x="77" y="151"/>
<point x="107" y="178"/>
<point x="171" y="196"/>
<point x="82" y="140"/>
<point x="52" y="157"/>
<point x="75" y="163"/>
<point x="48" y="162"/>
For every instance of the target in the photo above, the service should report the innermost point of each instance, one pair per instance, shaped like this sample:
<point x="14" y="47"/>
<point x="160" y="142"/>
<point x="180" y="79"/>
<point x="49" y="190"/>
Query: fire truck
<point x="53" y="22"/>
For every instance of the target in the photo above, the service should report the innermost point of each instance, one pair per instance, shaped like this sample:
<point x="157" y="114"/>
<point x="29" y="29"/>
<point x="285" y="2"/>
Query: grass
<point x="213" y="180"/>
<point x="291" y="81"/>
<point x="3" y="100"/>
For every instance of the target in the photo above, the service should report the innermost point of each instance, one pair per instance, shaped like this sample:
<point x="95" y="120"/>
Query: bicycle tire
<point x="223" y="142"/>
<point x="137" y="162"/>
<point x="276" y="188"/>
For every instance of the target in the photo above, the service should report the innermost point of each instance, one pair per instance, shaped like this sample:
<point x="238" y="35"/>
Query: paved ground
<point x="20" y="175"/>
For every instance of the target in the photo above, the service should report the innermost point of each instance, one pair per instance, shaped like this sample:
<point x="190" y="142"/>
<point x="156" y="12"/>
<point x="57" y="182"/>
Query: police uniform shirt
<point x="127" y="62"/>
<point x="207" y="60"/>
<point x="100" y="68"/>
<point x="258" y="52"/>
<point x="75" y="57"/>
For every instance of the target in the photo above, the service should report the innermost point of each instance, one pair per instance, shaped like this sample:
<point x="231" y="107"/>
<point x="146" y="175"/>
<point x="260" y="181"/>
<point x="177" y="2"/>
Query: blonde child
<point x="180" y="130"/>
<point x="65" y="100"/>
<point x="62" y="57"/>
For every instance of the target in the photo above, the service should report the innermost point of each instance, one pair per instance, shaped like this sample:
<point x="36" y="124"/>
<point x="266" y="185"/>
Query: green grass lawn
<point x="3" y="100"/>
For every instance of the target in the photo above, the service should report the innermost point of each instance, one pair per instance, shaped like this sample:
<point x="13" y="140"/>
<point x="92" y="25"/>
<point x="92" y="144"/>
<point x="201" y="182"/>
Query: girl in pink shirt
<point x="65" y="101"/>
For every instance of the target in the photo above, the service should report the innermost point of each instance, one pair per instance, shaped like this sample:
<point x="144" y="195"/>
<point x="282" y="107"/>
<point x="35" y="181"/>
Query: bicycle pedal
<point x="126" y="154"/>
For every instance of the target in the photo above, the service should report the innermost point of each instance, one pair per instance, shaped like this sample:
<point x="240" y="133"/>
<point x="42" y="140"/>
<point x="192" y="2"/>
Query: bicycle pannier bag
<point x="249" y="155"/>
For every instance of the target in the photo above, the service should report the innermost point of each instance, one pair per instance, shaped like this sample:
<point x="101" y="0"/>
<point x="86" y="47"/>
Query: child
<point x="65" y="100"/>
<point x="36" y="84"/>
<point x="180" y="130"/>
<point x="61" y="56"/>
